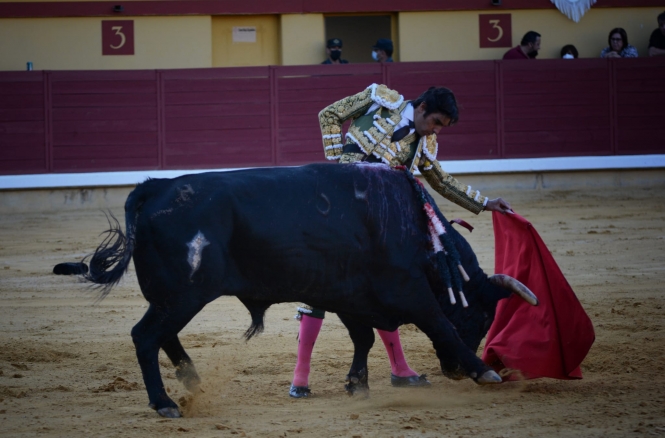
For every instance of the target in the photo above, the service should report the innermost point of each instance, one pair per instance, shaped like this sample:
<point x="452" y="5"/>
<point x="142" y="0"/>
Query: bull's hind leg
<point x="362" y="337"/>
<point x="159" y="326"/>
<point x="184" y="367"/>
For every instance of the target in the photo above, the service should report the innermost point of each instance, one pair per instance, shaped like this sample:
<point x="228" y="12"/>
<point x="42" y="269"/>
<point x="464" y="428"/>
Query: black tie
<point x="402" y="132"/>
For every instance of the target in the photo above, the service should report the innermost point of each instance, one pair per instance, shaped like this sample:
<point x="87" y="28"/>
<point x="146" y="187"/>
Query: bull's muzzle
<point x="515" y="286"/>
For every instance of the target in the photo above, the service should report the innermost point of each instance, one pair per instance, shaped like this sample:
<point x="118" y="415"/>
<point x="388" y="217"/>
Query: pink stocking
<point x="394" y="349"/>
<point x="309" y="330"/>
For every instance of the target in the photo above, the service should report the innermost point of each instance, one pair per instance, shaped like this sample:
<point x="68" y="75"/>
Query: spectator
<point x="657" y="39"/>
<point x="618" y="45"/>
<point x="569" y="52"/>
<point x="382" y="51"/>
<point x="334" y="52"/>
<point x="528" y="48"/>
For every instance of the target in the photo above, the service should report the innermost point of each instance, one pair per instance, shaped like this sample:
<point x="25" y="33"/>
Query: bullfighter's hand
<point x="499" y="205"/>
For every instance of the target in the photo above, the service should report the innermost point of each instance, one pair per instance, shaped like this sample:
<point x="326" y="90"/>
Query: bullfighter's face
<point x="431" y="124"/>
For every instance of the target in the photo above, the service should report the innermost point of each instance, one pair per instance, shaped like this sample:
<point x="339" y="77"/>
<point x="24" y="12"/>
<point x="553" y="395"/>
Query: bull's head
<point x="482" y="294"/>
<point x="473" y="322"/>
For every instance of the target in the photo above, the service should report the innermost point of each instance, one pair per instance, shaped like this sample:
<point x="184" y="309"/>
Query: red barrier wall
<point x="81" y="121"/>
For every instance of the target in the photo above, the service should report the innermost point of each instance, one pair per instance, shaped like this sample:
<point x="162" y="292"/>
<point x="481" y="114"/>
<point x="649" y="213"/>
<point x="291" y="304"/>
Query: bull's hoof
<point x="489" y="378"/>
<point x="357" y="386"/>
<point x="169" y="412"/>
<point x="299" y="391"/>
<point x="356" y="390"/>
<point x="412" y="381"/>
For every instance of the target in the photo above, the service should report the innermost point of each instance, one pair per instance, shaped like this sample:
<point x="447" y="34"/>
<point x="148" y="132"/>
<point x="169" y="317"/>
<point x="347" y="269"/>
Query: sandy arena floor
<point x="67" y="366"/>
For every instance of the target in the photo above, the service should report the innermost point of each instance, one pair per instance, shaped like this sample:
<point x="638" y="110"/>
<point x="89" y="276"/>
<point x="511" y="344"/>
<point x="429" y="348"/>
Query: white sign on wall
<point x="244" y="34"/>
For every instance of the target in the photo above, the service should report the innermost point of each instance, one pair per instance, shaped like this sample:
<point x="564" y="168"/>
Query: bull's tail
<point x="111" y="258"/>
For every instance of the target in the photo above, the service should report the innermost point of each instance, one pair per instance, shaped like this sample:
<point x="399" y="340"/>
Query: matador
<point x="387" y="128"/>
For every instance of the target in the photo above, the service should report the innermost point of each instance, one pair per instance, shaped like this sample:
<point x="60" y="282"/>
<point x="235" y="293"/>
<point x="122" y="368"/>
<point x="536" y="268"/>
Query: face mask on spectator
<point x="375" y="56"/>
<point x="335" y="54"/>
<point x="568" y="56"/>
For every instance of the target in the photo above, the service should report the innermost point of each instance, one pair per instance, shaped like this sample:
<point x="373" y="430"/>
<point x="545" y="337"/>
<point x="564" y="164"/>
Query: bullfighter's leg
<point x="362" y="337"/>
<point x="158" y="326"/>
<point x="402" y="374"/>
<point x="309" y="330"/>
<point x="184" y="367"/>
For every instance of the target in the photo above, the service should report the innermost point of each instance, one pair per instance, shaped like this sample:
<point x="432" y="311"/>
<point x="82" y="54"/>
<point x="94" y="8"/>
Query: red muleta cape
<point x="549" y="340"/>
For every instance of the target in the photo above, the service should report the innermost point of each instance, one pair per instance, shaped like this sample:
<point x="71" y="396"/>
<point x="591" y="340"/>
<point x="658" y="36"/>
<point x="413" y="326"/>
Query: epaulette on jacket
<point x="333" y="116"/>
<point x="385" y="97"/>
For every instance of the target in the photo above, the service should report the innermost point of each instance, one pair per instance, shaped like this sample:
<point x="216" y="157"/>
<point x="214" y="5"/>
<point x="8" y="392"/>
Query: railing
<point x="83" y="121"/>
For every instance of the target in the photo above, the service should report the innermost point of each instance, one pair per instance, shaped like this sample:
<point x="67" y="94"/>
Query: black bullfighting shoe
<point x="411" y="381"/>
<point x="299" y="391"/>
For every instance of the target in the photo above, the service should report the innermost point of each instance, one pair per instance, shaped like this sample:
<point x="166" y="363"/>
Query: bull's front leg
<point x="457" y="360"/>
<point x="362" y="337"/>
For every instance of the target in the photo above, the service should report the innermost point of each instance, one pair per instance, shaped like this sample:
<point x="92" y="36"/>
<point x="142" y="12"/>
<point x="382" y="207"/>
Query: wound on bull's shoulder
<point x="195" y="251"/>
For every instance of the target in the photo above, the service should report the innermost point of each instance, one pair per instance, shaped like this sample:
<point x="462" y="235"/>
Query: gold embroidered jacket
<point x="375" y="139"/>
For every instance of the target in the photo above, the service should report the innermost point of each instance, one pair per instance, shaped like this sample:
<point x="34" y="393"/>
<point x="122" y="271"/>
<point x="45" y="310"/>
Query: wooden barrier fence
<point x="83" y="121"/>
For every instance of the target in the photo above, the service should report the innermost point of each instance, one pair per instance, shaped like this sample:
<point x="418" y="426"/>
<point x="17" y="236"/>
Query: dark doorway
<point x="358" y="34"/>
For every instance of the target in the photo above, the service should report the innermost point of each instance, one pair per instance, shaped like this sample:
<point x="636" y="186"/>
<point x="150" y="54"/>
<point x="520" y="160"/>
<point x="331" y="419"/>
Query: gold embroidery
<point x="386" y="97"/>
<point x="448" y="187"/>
<point x="333" y="116"/>
<point x="351" y="157"/>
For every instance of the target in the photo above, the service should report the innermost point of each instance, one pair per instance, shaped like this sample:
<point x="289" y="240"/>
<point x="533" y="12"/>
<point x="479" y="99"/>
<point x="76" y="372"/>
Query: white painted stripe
<point x="509" y="165"/>
<point x="96" y="179"/>
<point x="107" y="179"/>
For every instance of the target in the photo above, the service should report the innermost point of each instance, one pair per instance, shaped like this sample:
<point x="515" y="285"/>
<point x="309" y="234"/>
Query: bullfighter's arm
<point x="445" y="184"/>
<point x="333" y="116"/>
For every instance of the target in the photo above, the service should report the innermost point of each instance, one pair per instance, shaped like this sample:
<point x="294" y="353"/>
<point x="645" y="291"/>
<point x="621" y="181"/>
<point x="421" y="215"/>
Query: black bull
<point x="349" y="239"/>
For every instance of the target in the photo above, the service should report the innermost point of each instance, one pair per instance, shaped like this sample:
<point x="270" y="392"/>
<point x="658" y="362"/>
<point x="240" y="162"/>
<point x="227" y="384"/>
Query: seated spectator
<point x="569" y="52"/>
<point x="528" y="48"/>
<point x="382" y="51"/>
<point x="657" y="39"/>
<point x="334" y="52"/>
<point x="618" y="45"/>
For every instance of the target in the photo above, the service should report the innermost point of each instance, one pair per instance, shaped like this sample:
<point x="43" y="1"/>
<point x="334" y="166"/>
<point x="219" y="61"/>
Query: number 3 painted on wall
<point x="495" y="30"/>
<point x="495" y="25"/>
<point x="117" y="37"/>
<point x="123" y="40"/>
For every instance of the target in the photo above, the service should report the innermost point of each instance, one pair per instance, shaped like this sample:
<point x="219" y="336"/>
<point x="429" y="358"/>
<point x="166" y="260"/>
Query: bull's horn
<point x="514" y="286"/>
